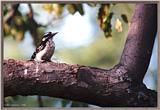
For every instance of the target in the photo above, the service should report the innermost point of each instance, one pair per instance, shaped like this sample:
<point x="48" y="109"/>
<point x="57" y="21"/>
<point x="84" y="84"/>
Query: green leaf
<point x="103" y="14"/>
<point x="108" y="30"/>
<point x="79" y="8"/>
<point x="104" y="17"/>
<point x="71" y="8"/>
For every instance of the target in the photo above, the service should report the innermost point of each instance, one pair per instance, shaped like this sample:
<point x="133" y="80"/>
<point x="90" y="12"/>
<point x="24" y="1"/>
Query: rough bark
<point x="120" y="86"/>
<point x="138" y="49"/>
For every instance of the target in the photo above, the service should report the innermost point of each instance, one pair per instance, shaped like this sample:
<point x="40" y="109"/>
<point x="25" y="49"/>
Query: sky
<point x="151" y="75"/>
<point x="74" y="30"/>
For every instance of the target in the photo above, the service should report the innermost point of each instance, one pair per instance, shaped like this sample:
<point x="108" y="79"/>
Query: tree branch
<point x="81" y="83"/>
<point x="33" y="26"/>
<point x="12" y="12"/>
<point x="140" y="40"/>
<point x="120" y="86"/>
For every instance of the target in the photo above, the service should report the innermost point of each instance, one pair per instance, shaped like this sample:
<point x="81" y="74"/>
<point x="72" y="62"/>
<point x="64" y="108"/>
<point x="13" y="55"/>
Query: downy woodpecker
<point x="46" y="48"/>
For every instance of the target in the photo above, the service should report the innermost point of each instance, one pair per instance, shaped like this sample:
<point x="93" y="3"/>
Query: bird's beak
<point x="53" y="34"/>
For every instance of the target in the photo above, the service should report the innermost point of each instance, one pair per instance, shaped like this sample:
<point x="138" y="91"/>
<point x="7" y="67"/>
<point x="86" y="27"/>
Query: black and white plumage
<point x="46" y="48"/>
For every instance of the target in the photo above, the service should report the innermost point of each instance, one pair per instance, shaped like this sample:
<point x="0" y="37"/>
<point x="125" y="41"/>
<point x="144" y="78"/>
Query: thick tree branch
<point x="87" y="84"/>
<point x="120" y="86"/>
<point x="138" y="48"/>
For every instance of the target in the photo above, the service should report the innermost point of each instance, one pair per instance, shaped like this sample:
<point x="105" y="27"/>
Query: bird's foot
<point x="31" y="60"/>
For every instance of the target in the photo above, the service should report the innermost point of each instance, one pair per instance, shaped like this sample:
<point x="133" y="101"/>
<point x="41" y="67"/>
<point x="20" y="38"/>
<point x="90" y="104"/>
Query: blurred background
<point x="90" y="34"/>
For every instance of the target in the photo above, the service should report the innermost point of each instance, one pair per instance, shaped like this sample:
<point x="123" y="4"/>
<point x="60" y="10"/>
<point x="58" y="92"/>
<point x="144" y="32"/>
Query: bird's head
<point x="48" y="35"/>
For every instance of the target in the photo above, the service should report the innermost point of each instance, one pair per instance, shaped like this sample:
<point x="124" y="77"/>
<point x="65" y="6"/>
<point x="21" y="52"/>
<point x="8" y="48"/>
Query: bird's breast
<point x="47" y="52"/>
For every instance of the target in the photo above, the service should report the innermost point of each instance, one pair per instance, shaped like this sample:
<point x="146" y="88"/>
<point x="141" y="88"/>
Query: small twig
<point x="33" y="26"/>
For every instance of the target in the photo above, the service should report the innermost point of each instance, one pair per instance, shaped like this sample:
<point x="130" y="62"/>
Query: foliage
<point x="16" y="24"/>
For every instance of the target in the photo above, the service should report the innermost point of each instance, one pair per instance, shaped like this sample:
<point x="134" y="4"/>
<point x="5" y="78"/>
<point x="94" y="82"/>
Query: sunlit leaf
<point x="48" y="8"/>
<point x="58" y="9"/>
<point x="6" y="28"/>
<point x="118" y="25"/>
<point x="104" y="17"/>
<point x="71" y="8"/>
<point x="19" y="36"/>
<point x="108" y="26"/>
<point x="18" y="20"/>
<point x="103" y="14"/>
<point x="124" y="17"/>
<point x="13" y="31"/>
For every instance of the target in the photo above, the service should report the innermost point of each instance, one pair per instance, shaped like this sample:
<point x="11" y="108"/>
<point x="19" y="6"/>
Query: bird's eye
<point x="43" y="39"/>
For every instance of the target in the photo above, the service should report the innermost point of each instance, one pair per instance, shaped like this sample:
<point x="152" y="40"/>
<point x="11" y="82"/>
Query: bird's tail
<point x="33" y="56"/>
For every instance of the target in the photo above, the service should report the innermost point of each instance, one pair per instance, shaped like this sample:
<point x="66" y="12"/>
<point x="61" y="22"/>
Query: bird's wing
<point x="40" y="48"/>
<point x="33" y="56"/>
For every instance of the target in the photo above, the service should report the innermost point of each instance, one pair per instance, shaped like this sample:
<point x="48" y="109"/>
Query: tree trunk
<point x="120" y="86"/>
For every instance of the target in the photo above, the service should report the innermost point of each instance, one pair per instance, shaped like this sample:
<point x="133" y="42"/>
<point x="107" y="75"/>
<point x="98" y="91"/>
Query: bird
<point x="46" y="48"/>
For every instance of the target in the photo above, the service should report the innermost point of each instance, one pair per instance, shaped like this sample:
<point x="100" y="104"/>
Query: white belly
<point x="46" y="53"/>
